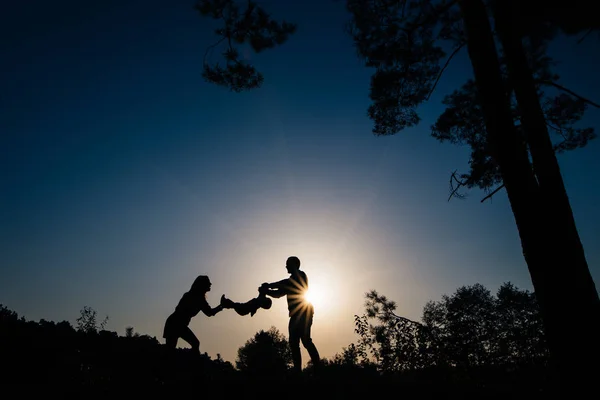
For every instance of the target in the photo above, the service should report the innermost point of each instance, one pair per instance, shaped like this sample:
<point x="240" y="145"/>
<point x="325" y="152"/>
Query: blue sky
<point x="125" y="175"/>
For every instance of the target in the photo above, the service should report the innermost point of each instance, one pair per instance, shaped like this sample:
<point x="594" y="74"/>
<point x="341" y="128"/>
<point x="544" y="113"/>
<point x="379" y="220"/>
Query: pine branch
<point x="489" y="196"/>
<point x="443" y="69"/>
<point x="585" y="35"/>
<point x="454" y="190"/>
<point x="572" y="93"/>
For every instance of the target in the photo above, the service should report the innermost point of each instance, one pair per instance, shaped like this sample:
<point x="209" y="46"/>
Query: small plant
<point x="87" y="321"/>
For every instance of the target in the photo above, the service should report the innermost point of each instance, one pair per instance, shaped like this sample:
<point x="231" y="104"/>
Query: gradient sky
<point x="124" y="175"/>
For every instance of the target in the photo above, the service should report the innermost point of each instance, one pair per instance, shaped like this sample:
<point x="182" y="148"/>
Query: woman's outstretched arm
<point x="210" y="312"/>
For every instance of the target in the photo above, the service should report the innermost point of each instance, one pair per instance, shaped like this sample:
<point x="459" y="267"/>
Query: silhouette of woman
<point x="191" y="303"/>
<point x="251" y="306"/>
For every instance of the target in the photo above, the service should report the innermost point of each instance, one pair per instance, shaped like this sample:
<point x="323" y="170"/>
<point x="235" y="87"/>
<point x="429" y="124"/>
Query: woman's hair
<point x="201" y="284"/>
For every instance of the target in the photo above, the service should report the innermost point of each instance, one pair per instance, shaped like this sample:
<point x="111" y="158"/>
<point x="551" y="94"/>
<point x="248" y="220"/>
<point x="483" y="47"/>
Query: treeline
<point x="470" y="335"/>
<point x="470" y="328"/>
<point x="470" y="338"/>
<point x="62" y="357"/>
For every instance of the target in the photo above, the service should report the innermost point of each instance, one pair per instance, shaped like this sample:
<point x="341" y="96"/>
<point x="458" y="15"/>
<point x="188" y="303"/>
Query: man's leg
<point x="308" y="344"/>
<point x="295" y="344"/>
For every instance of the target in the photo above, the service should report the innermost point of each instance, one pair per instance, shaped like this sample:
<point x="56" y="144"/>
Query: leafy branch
<point x="252" y="26"/>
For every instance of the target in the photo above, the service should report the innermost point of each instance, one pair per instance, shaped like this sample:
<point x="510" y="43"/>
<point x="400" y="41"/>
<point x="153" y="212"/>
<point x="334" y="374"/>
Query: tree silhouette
<point x="507" y="129"/>
<point x="573" y="18"/>
<point x="465" y="325"/>
<point x="472" y="327"/>
<point x="87" y="321"/>
<point x="47" y="356"/>
<point x="462" y="123"/>
<point x="251" y="26"/>
<point x="521" y="336"/>
<point x="395" y="343"/>
<point x="266" y="354"/>
<point x="467" y="331"/>
<point x="7" y="317"/>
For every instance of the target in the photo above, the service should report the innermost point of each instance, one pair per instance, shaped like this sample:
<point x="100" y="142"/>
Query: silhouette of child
<point x="191" y="303"/>
<point x="251" y="306"/>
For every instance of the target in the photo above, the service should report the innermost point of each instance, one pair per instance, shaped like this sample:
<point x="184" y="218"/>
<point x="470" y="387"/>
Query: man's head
<point x="292" y="264"/>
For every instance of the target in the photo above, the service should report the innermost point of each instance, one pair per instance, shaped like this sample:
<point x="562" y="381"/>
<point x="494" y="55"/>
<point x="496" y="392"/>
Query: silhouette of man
<point x="251" y="306"/>
<point x="191" y="303"/>
<point x="300" y="311"/>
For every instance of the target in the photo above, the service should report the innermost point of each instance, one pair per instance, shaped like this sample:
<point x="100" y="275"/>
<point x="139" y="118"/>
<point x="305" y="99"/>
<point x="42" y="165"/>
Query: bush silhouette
<point x="266" y="354"/>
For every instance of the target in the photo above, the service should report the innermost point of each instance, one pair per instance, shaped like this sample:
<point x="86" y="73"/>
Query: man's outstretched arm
<point x="276" y="285"/>
<point x="266" y="288"/>
<point x="276" y="293"/>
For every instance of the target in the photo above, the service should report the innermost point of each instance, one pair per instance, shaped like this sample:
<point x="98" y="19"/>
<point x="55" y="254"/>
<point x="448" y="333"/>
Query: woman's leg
<point x="188" y="336"/>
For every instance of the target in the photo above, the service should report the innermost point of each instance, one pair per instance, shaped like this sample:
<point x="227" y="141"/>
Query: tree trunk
<point x="510" y="153"/>
<point x="508" y="150"/>
<point x="566" y="292"/>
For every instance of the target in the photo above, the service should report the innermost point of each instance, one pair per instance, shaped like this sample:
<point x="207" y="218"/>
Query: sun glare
<point x="314" y="296"/>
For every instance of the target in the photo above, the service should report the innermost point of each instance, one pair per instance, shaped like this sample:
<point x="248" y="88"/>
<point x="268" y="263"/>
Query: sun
<point x="314" y="296"/>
